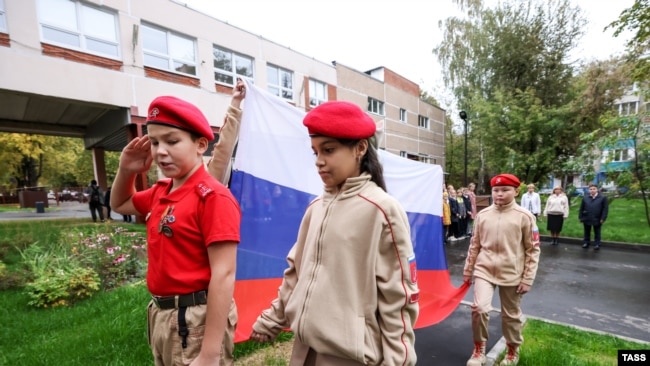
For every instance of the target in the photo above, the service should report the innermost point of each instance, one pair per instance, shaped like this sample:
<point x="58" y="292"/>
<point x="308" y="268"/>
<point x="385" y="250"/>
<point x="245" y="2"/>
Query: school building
<point x="89" y="69"/>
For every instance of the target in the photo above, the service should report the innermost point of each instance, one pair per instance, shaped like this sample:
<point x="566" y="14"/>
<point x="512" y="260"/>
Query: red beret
<point x="178" y="113"/>
<point x="505" y="180"/>
<point x="338" y="119"/>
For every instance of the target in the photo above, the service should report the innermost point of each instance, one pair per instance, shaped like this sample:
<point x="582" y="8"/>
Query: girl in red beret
<point x="193" y="228"/>
<point x="503" y="252"/>
<point x="350" y="293"/>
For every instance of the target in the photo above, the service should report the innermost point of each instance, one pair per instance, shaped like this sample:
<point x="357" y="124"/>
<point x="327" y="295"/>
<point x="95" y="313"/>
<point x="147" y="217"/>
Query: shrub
<point x="63" y="287"/>
<point x="119" y="257"/>
<point x="82" y="261"/>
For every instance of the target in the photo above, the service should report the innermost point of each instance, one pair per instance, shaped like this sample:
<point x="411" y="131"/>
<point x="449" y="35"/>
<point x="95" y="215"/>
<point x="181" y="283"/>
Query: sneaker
<point x="512" y="357"/>
<point x="585" y="245"/>
<point x="478" y="355"/>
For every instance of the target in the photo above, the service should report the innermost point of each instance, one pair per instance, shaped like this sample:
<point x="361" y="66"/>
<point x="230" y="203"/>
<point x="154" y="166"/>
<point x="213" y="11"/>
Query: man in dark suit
<point x="593" y="213"/>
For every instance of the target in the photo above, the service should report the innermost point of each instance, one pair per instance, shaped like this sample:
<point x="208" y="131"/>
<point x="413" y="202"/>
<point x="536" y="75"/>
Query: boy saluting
<point x="504" y="252"/>
<point x="193" y="228"/>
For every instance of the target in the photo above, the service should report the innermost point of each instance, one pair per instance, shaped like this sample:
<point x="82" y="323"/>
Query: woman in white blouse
<point x="556" y="211"/>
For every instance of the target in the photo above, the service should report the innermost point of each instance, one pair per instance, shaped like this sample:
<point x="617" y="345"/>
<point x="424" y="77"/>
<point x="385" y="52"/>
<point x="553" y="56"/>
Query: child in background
<point x="503" y="252"/>
<point x="446" y="215"/>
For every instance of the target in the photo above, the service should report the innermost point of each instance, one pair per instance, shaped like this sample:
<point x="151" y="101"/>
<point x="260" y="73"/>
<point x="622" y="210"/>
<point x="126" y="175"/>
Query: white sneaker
<point x="478" y="355"/>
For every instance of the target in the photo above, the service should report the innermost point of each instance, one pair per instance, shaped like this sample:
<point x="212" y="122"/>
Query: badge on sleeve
<point x="536" y="241"/>
<point x="413" y="269"/>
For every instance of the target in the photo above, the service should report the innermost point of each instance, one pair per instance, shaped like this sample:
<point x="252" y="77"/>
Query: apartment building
<point x="617" y="157"/>
<point x="90" y="68"/>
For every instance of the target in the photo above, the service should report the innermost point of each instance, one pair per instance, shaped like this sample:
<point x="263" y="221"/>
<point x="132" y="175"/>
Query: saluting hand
<point x="136" y="156"/>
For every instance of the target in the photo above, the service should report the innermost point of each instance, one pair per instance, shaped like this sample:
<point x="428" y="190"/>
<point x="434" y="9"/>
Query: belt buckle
<point x="162" y="301"/>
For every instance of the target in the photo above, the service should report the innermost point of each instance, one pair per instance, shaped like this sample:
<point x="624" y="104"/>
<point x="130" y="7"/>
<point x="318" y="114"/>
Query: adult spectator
<point x="96" y="201"/>
<point x="531" y="202"/>
<point x="471" y="188"/>
<point x="454" y="207"/>
<point x="593" y="213"/>
<point x="107" y="202"/>
<point x="556" y="211"/>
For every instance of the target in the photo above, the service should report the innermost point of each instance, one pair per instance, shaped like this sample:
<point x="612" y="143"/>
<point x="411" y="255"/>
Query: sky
<point x="397" y="34"/>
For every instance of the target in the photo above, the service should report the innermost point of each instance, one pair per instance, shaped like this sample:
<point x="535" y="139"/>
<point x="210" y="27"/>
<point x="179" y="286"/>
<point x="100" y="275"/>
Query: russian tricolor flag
<point x="274" y="179"/>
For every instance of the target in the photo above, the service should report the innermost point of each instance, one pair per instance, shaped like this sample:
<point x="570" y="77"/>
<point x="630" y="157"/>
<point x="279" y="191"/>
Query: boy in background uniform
<point x="504" y="251"/>
<point x="193" y="228"/>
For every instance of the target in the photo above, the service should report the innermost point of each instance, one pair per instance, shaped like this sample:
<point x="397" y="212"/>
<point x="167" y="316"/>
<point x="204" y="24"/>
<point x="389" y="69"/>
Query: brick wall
<point x="82" y="57"/>
<point x="171" y="77"/>
<point x="4" y="39"/>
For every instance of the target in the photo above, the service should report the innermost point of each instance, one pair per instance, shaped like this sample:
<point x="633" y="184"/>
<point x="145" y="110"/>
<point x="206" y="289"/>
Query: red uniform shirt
<point x="180" y="227"/>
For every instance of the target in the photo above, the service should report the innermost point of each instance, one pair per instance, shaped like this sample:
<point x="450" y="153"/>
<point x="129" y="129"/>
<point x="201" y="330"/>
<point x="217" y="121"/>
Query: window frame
<point x="376" y="106"/>
<point x="625" y="109"/>
<point x="79" y="31"/>
<point x="171" y="60"/>
<point x="313" y="83"/>
<point x="280" y="88"/>
<point x="403" y="115"/>
<point x="233" y="60"/>
<point x="423" y="122"/>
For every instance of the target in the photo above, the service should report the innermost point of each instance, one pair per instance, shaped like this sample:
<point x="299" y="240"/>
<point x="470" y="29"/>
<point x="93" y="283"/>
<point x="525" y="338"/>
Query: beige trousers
<point x="511" y="322"/>
<point x="165" y="342"/>
<point x="304" y="355"/>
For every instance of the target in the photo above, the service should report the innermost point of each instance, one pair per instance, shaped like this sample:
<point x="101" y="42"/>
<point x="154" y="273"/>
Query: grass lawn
<point x="558" y="345"/>
<point x="625" y="223"/>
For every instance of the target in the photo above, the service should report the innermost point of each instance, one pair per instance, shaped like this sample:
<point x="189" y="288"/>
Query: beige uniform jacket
<point x="348" y="291"/>
<point x="504" y="249"/>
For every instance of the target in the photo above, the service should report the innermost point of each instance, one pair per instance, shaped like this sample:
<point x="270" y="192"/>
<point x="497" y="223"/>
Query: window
<point x="625" y="109"/>
<point x="76" y="25"/>
<point x="417" y="157"/>
<point x="229" y="65"/>
<point x="166" y="50"/>
<point x="3" y="21"/>
<point x="280" y="82"/>
<point x="402" y="115"/>
<point x="423" y="122"/>
<point x="375" y="106"/>
<point x="620" y="155"/>
<point x="317" y="93"/>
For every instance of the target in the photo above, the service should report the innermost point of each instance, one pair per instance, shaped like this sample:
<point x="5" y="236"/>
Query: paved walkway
<point x="604" y="291"/>
<point x="68" y="209"/>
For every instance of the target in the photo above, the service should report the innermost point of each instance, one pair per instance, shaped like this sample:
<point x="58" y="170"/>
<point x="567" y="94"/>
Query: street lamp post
<point x="463" y="116"/>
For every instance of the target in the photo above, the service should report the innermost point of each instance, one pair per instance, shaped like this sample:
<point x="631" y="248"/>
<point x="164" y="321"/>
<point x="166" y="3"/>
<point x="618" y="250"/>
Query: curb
<point x="603" y="244"/>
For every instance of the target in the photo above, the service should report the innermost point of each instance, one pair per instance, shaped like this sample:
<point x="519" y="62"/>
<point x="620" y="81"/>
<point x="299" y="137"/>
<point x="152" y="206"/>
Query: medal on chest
<point x="166" y="219"/>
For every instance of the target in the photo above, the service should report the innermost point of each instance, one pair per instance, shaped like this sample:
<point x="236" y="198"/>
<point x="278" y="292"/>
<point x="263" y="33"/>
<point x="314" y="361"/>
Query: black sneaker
<point x="597" y="247"/>
<point x="585" y="245"/>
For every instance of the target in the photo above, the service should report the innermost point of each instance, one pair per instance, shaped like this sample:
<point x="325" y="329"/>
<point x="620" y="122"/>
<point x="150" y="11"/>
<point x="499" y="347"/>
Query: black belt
<point x="171" y="302"/>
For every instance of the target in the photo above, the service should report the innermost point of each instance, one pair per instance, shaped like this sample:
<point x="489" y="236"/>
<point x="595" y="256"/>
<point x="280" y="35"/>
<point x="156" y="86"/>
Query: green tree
<point x="636" y="19"/>
<point x="509" y="68"/>
<point x="617" y="134"/>
<point x="56" y="162"/>
<point x="21" y="156"/>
